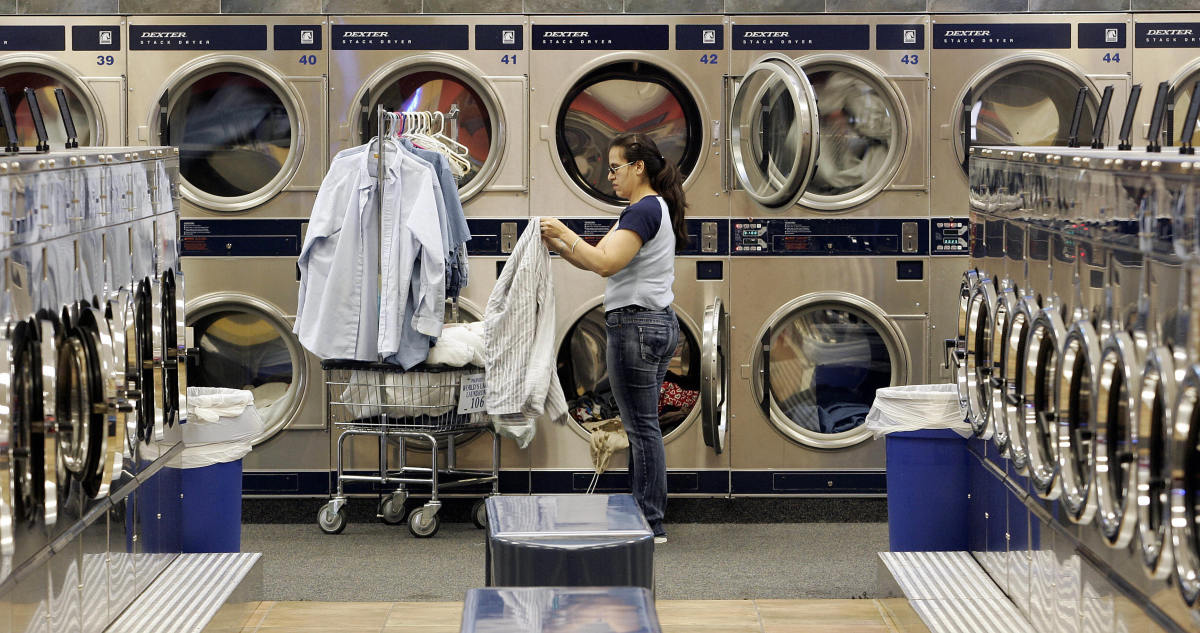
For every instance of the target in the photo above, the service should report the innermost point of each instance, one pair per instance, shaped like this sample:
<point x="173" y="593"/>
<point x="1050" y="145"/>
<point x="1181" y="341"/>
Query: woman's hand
<point x="553" y="228"/>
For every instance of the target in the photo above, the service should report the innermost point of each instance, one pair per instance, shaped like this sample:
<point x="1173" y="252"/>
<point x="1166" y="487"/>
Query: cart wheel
<point x="479" y="513"/>
<point x="331" y="522"/>
<point x="421" y="525"/>
<point x="392" y="510"/>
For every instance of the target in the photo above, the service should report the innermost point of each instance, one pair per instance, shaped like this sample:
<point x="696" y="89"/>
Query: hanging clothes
<point x="455" y="232"/>
<point x="370" y="282"/>
<point x="519" y="334"/>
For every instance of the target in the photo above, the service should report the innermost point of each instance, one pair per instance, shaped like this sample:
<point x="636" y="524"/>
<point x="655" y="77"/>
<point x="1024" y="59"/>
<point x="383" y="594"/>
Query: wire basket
<point x="382" y="396"/>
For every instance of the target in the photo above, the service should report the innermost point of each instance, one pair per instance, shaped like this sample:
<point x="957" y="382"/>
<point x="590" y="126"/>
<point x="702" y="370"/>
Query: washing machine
<point x="85" y="57"/>
<point x="245" y="100"/>
<point x="663" y="77"/>
<point x="1167" y="49"/>
<point x="477" y="68"/>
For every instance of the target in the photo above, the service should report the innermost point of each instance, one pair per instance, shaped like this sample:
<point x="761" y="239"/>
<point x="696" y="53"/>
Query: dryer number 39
<point x="105" y="60"/>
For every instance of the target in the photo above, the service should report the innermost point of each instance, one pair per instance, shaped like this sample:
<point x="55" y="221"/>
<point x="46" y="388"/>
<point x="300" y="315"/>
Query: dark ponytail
<point x="665" y="178"/>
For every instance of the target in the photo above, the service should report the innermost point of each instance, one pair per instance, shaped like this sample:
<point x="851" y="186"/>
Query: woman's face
<point x="626" y="178"/>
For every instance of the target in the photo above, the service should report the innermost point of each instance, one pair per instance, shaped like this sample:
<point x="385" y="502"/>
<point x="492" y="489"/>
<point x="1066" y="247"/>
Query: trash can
<point x="926" y="466"/>
<point x="221" y="425"/>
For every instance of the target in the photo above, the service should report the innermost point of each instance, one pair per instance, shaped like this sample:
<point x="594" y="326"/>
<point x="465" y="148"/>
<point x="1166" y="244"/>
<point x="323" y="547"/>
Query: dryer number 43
<point x="910" y="59"/>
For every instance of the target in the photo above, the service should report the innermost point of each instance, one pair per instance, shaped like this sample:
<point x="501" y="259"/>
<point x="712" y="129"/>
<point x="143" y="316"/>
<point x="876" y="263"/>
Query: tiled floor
<point x="892" y="615"/>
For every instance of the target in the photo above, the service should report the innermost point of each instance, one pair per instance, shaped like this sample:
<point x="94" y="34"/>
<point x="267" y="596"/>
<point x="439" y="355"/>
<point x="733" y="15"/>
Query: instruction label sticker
<point x="470" y="397"/>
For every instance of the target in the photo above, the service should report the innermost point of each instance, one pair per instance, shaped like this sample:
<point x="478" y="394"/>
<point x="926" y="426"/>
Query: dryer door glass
<point x="1183" y="98"/>
<point x="583" y="371"/>
<point x="441" y="91"/>
<point x="234" y="134"/>
<point x="43" y="82"/>
<point x="625" y="98"/>
<point x="823" y="363"/>
<point x="775" y="132"/>
<point x="241" y="347"/>
<point x="862" y="136"/>
<point x="1029" y="104"/>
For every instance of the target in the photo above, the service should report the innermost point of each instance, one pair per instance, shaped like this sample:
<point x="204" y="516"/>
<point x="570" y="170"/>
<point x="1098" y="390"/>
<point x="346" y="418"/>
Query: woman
<point x="638" y="258"/>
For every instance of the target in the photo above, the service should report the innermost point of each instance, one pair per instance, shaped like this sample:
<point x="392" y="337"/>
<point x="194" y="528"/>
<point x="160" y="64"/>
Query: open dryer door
<point x="714" y="376"/>
<point x="774" y="132"/>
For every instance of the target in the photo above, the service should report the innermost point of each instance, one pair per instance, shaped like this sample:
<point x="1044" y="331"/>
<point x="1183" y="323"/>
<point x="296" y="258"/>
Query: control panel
<point x="849" y="237"/>
<point x="950" y="236"/>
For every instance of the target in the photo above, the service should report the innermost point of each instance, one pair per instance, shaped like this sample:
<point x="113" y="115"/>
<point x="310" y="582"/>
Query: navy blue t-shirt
<point x="642" y="217"/>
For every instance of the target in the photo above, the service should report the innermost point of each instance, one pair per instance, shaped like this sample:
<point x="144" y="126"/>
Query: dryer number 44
<point x="1111" y="58"/>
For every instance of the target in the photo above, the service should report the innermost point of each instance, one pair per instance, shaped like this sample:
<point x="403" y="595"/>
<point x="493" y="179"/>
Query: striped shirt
<point x="522" y="381"/>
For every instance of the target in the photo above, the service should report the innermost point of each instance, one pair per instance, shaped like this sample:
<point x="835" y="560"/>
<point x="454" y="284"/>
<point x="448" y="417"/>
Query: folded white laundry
<point x="459" y="344"/>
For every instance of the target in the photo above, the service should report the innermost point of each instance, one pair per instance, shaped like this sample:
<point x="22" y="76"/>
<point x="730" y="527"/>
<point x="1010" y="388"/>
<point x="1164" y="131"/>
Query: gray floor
<point x="375" y="562"/>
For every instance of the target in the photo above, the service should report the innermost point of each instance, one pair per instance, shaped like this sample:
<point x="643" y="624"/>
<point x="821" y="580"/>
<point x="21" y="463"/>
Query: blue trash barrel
<point x="212" y="508"/>
<point x="927" y="491"/>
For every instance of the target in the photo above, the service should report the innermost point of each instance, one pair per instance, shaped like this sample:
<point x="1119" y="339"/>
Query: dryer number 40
<point x="308" y="60"/>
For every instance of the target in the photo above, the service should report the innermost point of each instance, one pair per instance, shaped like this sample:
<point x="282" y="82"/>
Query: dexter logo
<point x="1169" y="32"/>
<point x="566" y="34"/>
<point x="164" y="34"/>
<point x="968" y="33"/>
<point x="766" y="34"/>
<point x="365" y="34"/>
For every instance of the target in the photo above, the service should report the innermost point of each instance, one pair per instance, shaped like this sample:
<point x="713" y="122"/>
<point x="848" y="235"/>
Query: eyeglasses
<point x="613" y="170"/>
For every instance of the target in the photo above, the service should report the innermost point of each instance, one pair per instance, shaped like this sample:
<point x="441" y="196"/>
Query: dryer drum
<point x="1155" y="406"/>
<point x="1014" y="384"/>
<point x="143" y="348"/>
<point x="73" y="400"/>
<point x="1184" y="487"/>
<point x="1077" y="382"/>
<point x="1115" y="473"/>
<point x="25" y="472"/>
<point x="1041" y="428"/>
<point x="170" y="339"/>
<point x="106" y="432"/>
<point x="979" y="355"/>
<point x="44" y="80"/>
<point x="1001" y="326"/>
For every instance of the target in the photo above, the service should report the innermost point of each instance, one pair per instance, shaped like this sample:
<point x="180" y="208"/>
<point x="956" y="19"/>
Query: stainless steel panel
<point x="944" y="274"/>
<point x="30" y="603"/>
<point x="1162" y="5"/>
<point x="169" y="6"/>
<point x="8" y="6"/>
<point x="96" y="582"/>
<point x="774" y="6"/>
<point x="472" y="6"/>
<point x="977" y="6"/>
<point x="1067" y="588"/>
<point x="66" y="601"/>
<point x="1043" y="572"/>
<point x="574" y="6"/>
<point x="668" y="6"/>
<point x="875" y="6"/>
<point x="121" y="559"/>
<point x="372" y="6"/>
<point x="271" y="6"/>
<point x="1078" y="5"/>
<point x="66" y="6"/>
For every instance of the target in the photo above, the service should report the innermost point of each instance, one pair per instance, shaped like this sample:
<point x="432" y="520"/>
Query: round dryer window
<point x="243" y="346"/>
<point x="583" y="371"/>
<point x="821" y="361"/>
<point x="1183" y="98"/>
<point x="1027" y="104"/>
<point x="235" y="133"/>
<point x="43" y="82"/>
<point x="442" y="89"/>
<point x="625" y="98"/>
<point x="862" y="136"/>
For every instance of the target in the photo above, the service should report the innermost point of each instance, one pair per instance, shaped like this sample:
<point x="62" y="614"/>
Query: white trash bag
<point x="917" y="408"/>
<point x="217" y="415"/>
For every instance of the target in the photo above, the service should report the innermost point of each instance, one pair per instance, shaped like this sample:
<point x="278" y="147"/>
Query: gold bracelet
<point x="577" y="238"/>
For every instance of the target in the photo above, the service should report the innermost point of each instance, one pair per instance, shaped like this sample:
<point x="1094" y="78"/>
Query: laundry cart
<point x="433" y="404"/>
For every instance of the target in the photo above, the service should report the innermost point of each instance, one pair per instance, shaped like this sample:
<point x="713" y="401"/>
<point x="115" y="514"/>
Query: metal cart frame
<point x="381" y="400"/>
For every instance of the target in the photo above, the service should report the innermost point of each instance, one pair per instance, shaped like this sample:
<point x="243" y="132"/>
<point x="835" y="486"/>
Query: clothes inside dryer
<point x="234" y="133"/>
<point x="583" y="371"/>
<point x="243" y="348"/>
<point x="44" y="82"/>
<point x="624" y="98"/>
<point x="822" y="365"/>
<point x="858" y="130"/>
<point x="1029" y="105"/>
<point x="441" y="91"/>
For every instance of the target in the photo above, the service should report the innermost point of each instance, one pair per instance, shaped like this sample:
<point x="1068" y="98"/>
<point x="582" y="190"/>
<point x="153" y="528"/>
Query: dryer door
<point x="822" y="358"/>
<point x="238" y="129"/>
<point x="714" y="376"/>
<point x="1026" y="101"/>
<point x="1184" y="487"/>
<point x="44" y="76"/>
<point x="775" y="132"/>
<point x="1156" y="404"/>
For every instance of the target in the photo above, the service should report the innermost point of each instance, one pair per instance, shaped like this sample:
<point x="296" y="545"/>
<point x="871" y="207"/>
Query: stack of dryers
<point x="477" y="67"/>
<point x="829" y="243"/>
<point x="244" y="99"/>
<point x="1093" y="382"/>
<point x="663" y="77"/>
<point x="91" y="386"/>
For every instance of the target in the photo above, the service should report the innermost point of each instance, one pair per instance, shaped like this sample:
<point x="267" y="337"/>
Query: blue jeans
<point x="640" y="347"/>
